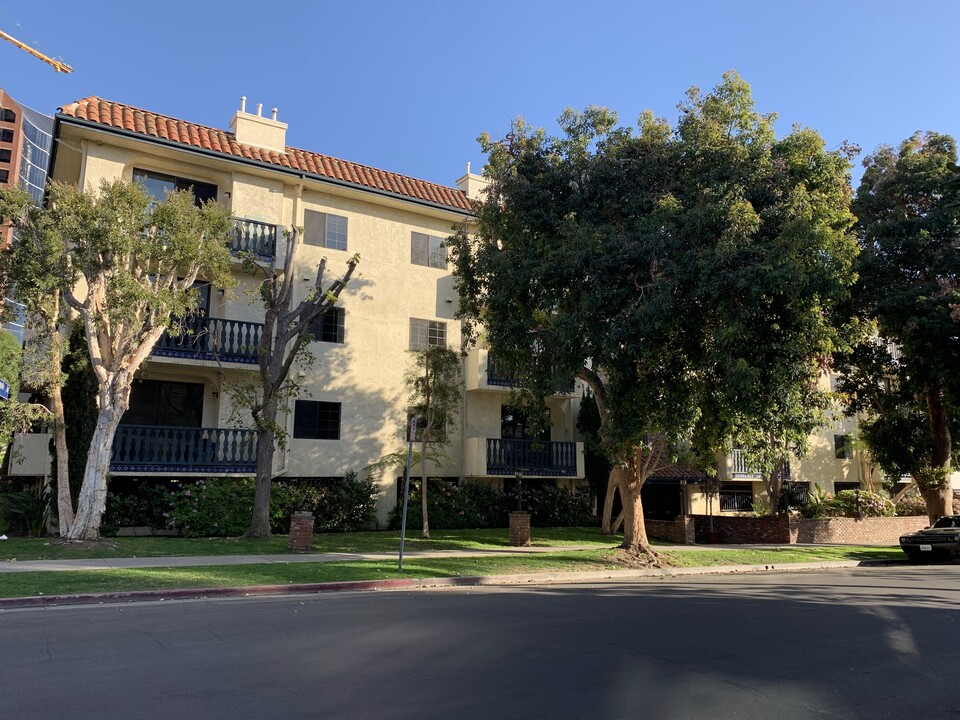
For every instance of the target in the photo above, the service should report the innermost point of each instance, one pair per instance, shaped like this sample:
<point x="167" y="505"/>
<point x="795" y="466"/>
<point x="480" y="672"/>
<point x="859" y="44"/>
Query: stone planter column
<point x="520" y="528"/>
<point x="301" y="531"/>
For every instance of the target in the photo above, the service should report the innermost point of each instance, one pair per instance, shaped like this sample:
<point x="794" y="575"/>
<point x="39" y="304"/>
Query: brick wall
<point x="679" y="531"/>
<point x="866" y="530"/>
<point x="745" y="530"/>
<point x="783" y="530"/>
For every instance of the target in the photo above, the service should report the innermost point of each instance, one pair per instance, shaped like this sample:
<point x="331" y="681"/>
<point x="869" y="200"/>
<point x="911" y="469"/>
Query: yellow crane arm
<point x="57" y="65"/>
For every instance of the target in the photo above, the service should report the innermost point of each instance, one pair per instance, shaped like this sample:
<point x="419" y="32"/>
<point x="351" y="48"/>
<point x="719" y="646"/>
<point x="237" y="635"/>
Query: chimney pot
<point x="259" y="109"/>
<point x="243" y="103"/>
<point x="274" y="114"/>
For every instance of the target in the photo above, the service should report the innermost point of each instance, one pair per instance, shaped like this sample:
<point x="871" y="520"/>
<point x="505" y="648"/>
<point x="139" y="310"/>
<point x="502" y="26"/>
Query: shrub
<point x="911" y="504"/>
<point x="25" y="512"/>
<point x="551" y="506"/>
<point x="148" y="505"/>
<point x="344" y="506"/>
<point x="848" y="503"/>
<point x="483" y="505"/>
<point x="219" y="506"/>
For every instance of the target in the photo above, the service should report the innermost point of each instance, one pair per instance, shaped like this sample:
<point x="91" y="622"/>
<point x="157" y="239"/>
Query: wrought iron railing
<point x="736" y="500"/>
<point x="531" y="457"/>
<point x="742" y="470"/>
<point x="152" y="448"/>
<point x="206" y="338"/>
<point x="253" y="236"/>
<point x="497" y="376"/>
<point x="740" y="467"/>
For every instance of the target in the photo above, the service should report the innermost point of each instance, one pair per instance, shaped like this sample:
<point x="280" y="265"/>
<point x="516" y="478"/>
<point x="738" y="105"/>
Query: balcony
<point x="742" y="470"/>
<point x="535" y="459"/>
<point x="155" y="449"/>
<point x="206" y="338"/>
<point x="253" y="236"/>
<point x="482" y="373"/>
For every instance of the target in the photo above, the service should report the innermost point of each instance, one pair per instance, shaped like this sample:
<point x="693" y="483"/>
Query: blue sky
<point x="408" y="86"/>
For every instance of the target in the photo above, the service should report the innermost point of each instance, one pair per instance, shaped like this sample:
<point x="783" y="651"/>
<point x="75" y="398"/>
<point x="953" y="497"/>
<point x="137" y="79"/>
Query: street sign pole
<point x="411" y="433"/>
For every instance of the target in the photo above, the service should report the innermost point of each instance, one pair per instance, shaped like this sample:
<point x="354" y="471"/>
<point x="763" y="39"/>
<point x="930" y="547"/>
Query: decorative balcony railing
<point x="151" y="448"/>
<point x="253" y="236"/>
<point x="206" y="338"/>
<point x="742" y="470"/>
<point x="531" y="457"/>
<point x="498" y="377"/>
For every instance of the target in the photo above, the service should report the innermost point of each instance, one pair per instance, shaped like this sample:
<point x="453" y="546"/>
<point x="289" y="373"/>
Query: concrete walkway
<point x="10" y="566"/>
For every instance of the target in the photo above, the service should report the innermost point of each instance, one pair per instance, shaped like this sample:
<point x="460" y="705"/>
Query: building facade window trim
<point x="325" y="230"/>
<point x="316" y="420"/>
<point x="428" y="250"/>
<point x="427" y="333"/>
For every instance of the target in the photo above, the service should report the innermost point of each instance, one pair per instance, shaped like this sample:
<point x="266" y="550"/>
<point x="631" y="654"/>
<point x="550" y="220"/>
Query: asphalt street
<point x="861" y="643"/>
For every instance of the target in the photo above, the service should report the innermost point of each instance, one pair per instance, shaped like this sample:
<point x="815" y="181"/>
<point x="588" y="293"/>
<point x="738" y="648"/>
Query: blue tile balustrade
<point x="531" y="457"/>
<point x="152" y="448"/>
<point x="206" y="338"/>
<point x="253" y="236"/>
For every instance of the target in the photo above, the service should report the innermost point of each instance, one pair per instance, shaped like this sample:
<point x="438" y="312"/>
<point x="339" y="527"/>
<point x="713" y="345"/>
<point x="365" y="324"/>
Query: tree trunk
<point x="260" y="520"/>
<point x="613" y="482"/>
<point x="64" y="502"/>
<point x="425" y="532"/>
<point x="635" y="539"/>
<point x="93" y="491"/>
<point x="935" y="484"/>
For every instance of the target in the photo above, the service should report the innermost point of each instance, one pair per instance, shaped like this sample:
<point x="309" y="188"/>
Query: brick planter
<point x="301" y="531"/>
<point x="520" y="528"/>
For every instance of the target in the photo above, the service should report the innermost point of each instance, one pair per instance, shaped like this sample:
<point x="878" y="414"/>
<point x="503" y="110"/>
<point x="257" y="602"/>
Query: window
<point x="842" y="447"/>
<point x="169" y="404"/>
<point x="4" y="156"/>
<point x="438" y="433"/>
<point x="9" y="115"/>
<point x="316" y="420"/>
<point x="4" y="176"/>
<point x="329" y="326"/>
<point x="428" y="250"/>
<point x="841" y="486"/>
<point x="427" y="333"/>
<point x="158" y="185"/>
<point x="515" y="424"/>
<point x="324" y="230"/>
<point x="6" y="136"/>
<point x="736" y="497"/>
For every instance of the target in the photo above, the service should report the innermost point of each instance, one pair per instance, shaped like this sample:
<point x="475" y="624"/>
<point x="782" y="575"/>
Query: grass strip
<point x="353" y="542"/>
<point x="98" y="581"/>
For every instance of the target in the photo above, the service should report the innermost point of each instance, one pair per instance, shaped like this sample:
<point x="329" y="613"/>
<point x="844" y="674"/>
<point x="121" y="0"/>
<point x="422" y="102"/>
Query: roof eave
<point x="62" y="118"/>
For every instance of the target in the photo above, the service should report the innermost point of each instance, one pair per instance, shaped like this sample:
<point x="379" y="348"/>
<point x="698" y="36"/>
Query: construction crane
<point x="56" y="64"/>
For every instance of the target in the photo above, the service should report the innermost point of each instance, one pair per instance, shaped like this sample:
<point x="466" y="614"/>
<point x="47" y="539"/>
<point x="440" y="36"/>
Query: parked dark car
<point x="942" y="541"/>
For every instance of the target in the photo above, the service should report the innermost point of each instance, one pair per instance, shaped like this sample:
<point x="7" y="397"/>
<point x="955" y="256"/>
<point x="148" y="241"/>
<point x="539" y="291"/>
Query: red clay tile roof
<point x="679" y="472"/>
<point x="116" y="115"/>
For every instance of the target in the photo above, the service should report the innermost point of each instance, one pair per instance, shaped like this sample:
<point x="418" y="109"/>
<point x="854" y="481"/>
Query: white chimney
<point x="472" y="185"/>
<point x="258" y="131"/>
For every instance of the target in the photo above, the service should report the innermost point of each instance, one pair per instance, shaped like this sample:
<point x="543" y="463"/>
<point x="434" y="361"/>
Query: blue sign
<point x="4" y="390"/>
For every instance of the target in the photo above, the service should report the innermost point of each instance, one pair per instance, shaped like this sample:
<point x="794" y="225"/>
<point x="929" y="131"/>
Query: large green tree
<point x="130" y="264"/>
<point x="33" y="268"/>
<point x="688" y="275"/>
<point x="904" y="377"/>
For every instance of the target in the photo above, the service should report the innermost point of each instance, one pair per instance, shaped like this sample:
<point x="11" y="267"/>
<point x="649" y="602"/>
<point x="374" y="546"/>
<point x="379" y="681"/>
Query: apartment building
<point x="26" y="138"/>
<point x="353" y="407"/>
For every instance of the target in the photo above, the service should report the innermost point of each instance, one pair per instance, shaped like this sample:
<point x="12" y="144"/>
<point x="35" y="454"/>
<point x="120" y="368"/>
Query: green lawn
<point x="94" y="581"/>
<point x="384" y="541"/>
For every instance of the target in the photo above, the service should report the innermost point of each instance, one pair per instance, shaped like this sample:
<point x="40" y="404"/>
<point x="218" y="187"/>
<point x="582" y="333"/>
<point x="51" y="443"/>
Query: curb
<point x="419" y="583"/>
